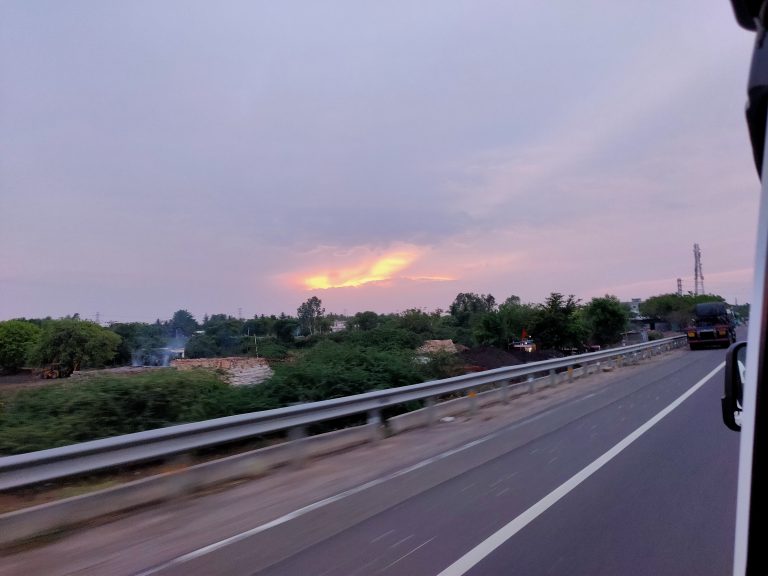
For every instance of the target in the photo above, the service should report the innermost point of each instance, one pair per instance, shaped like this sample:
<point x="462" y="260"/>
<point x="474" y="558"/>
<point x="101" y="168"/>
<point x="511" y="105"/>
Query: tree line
<point x="560" y="323"/>
<point x="69" y="344"/>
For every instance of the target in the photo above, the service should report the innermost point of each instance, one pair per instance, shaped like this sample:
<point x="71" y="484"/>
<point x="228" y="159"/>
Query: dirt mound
<point x="538" y="355"/>
<point x="487" y="358"/>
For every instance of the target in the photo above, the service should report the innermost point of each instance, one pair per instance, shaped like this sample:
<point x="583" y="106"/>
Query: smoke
<point x="174" y="348"/>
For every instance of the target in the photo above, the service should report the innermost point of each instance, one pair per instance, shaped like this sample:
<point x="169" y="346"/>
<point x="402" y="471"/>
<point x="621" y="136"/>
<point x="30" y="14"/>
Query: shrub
<point x="16" y="339"/>
<point x="103" y="406"/>
<point x="332" y="370"/>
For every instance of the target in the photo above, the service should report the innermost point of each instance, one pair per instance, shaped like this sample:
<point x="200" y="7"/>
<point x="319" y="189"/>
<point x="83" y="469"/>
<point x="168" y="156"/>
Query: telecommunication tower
<point x="698" y="276"/>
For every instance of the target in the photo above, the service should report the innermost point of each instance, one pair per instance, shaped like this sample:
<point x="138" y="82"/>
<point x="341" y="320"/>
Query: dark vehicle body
<point x="713" y="325"/>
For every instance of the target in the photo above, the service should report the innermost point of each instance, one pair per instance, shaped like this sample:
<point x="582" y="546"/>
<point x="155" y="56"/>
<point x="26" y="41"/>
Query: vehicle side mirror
<point x="735" y="364"/>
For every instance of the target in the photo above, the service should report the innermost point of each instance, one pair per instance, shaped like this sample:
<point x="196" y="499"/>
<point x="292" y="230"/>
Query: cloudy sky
<point x="228" y="155"/>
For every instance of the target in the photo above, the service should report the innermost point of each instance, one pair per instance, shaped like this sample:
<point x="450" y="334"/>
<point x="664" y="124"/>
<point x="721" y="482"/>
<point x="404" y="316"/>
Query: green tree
<point x="310" y="314"/>
<point x="182" y="323"/>
<point x="201" y="346"/>
<point x="516" y="318"/>
<point x="558" y="324"/>
<point x="500" y="328"/>
<point x="138" y="339"/>
<point x="387" y="336"/>
<point x="285" y="328"/>
<point x="606" y="319"/>
<point x="16" y="339"/>
<point x="467" y="304"/>
<point x="227" y="333"/>
<point x="676" y="310"/>
<point x="416" y="321"/>
<point x="260" y="325"/>
<point x="74" y="344"/>
<point x="488" y="330"/>
<point x="367" y="320"/>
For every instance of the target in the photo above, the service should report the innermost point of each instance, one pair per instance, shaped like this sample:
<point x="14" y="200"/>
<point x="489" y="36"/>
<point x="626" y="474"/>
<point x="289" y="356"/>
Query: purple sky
<point x="216" y="155"/>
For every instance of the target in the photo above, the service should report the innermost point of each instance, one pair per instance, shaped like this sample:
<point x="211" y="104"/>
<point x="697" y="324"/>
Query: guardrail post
<point x="175" y="465"/>
<point x="374" y="423"/>
<point x="431" y="410"/>
<point x="552" y="377"/>
<point x="472" y="395"/>
<point x="570" y="373"/>
<point x="504" y="391"/>
<point x="295" y="435"/>
<point x="531" y="384"/>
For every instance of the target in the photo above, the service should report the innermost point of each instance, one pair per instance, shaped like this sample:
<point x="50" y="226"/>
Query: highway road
<point x="559" y="501"/>
<point x="634" y="475"/>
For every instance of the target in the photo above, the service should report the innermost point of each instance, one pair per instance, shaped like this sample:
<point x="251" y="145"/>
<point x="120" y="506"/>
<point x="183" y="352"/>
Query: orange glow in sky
<point x="381" y="269"/>
<point x="384" y="268"/>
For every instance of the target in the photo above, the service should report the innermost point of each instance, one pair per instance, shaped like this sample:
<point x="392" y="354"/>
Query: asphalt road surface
<point x="594" y="486"/>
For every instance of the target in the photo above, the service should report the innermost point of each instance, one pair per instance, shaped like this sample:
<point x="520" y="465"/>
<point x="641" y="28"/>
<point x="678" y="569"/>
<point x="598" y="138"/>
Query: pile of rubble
<point x="239" y="371"/>
<point x="433" y="346"/>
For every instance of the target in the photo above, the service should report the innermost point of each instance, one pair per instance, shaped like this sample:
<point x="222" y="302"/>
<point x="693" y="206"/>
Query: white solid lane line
<point x="184" y="558"/>
<point x="387" y="533"/>
<point x="404" y="556"/>
<point x="487" y="546"/>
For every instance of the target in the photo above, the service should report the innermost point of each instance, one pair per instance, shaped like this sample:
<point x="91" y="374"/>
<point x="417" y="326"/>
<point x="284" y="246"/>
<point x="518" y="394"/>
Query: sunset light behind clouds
<point x="386" y="267"/>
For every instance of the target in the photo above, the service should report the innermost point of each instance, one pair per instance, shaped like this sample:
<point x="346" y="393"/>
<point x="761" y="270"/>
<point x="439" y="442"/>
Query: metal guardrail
<point x="46" y="465"/>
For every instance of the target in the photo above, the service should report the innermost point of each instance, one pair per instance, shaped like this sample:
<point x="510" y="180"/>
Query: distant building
<point x="634" y="306"/>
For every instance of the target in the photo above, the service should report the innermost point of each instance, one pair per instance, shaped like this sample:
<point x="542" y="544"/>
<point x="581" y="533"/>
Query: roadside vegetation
<point x="315" y="356"/>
